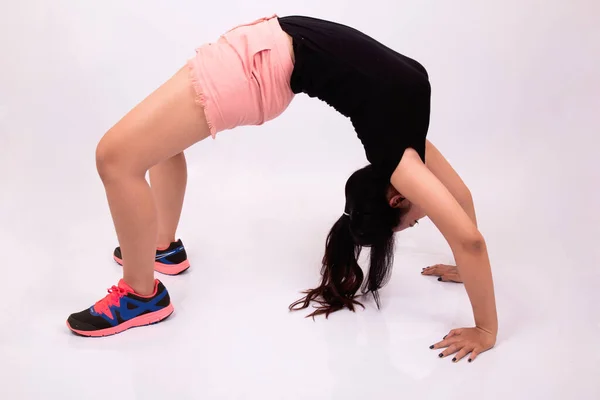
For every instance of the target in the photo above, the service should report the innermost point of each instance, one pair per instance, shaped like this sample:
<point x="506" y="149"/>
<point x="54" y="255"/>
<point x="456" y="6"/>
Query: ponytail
<point x="368" y="221"/>
<point x="380" y="266"/>
<point x="341" y="276"/>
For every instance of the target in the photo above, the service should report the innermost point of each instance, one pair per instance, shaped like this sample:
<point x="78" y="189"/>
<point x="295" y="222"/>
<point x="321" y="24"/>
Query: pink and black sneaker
<point x="122" y="309"/>
<point x="170" y="261"/>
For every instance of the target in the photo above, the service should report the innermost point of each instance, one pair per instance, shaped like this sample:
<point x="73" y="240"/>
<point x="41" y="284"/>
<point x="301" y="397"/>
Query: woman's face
<point x="410" y="219"/>
<point x="412" y="213"/>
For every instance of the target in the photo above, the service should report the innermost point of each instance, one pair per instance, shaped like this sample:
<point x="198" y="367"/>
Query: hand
<point x="464" y="341"/>
<point x="446" y="273"/>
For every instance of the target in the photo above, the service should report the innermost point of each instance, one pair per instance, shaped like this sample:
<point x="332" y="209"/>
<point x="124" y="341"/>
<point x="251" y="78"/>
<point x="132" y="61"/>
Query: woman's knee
<point x="107" y="160"/>
<point x="112" y="160"/>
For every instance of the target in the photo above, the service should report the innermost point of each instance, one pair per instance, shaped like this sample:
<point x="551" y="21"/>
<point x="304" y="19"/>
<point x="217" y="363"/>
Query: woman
<point x="250" y="76"/>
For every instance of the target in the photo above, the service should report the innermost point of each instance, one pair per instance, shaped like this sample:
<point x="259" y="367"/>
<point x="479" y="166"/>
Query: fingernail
<point x="440" y="279"/>
<point x="470" y="360"/>
<point x="444" y="337"/>
<point x="440" y="355"/>
<point x="454" y="359"/>
<point x="431" y="347"/>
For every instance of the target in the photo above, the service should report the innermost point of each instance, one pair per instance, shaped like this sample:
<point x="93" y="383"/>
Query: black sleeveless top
<point x="386" y="95"/>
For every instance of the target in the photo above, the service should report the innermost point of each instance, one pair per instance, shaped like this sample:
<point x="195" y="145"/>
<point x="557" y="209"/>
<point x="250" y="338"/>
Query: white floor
<point x="515" y="110"/>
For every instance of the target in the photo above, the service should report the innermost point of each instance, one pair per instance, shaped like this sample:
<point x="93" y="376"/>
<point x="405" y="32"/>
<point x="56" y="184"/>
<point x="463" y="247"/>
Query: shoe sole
<point x="143" y="320"/>
<point x="166" y="269"/>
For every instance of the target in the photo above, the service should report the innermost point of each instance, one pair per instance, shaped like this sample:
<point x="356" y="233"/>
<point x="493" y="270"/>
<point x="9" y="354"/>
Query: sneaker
<point x="170" y="261"/>
<point x="120" y="310"/>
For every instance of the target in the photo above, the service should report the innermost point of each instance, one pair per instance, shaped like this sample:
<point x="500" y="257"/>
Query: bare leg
<point x="168" y="181"/>
<point x="160" y="127"/>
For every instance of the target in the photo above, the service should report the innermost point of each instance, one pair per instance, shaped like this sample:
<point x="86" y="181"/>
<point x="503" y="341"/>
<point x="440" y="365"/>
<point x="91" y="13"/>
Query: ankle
<point x="163" y="243"/>
<point x="141" y="287"/>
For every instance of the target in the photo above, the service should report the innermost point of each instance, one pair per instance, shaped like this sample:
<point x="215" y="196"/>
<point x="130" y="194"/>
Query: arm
<point x="441" y="168"/>
<point x="421" y="187"/>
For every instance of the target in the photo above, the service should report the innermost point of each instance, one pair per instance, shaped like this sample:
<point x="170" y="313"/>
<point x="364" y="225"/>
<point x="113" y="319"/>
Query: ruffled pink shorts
<point x="244" y="77"/>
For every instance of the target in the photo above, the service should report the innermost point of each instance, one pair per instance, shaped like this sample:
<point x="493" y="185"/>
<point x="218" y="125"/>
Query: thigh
<point x="163" y="125"/>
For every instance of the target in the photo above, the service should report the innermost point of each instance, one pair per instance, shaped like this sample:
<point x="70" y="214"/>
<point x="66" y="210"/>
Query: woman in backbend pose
<point x="250" y="76"/>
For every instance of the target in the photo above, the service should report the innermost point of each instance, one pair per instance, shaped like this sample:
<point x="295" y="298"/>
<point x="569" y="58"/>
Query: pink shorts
<point x="244" y="78"/>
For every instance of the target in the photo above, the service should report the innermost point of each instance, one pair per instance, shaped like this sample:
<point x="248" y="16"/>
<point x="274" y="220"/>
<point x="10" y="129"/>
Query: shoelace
<point x="112" y="298"/>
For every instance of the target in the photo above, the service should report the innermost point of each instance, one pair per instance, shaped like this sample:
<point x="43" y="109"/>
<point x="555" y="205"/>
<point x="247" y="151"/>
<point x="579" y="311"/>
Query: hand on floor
<point x="446" y="273"/>
<point x="464" y="341"/>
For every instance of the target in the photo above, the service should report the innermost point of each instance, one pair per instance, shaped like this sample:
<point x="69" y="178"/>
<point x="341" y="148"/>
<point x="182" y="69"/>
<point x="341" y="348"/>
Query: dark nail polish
<point x="470" y="360"/>
<point x="440" y="279"/>
<point x="440" y="355"/>
<point x="445" y="337"/>
<point x="431" y="347"/>
<point x="454" y="359"/>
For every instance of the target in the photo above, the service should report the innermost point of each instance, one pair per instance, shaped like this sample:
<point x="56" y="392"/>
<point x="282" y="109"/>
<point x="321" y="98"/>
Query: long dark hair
<point x="368" y="221"/>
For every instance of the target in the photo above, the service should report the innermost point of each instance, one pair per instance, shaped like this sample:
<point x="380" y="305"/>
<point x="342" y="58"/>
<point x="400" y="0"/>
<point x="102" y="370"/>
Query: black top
<point x="385" y="94"/>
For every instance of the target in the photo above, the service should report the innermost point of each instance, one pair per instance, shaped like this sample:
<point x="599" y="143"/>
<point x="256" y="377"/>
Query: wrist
<point x="487" y="322"/>
<point x="491" y="330"/>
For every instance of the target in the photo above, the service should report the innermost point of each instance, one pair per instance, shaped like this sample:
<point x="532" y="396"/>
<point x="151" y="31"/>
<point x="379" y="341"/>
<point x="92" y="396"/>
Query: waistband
<point x="279" y="36"/>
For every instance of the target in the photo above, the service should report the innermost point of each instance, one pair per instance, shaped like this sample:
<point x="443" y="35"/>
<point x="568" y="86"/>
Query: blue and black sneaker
<point x="122" y="309"/>
<point x="170" y="261"/>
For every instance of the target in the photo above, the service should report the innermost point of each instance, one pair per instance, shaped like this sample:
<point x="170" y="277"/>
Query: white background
<point x="516" y="98"/>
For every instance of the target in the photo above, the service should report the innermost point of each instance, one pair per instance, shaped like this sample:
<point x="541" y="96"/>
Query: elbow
<point x="473" y="243"/>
